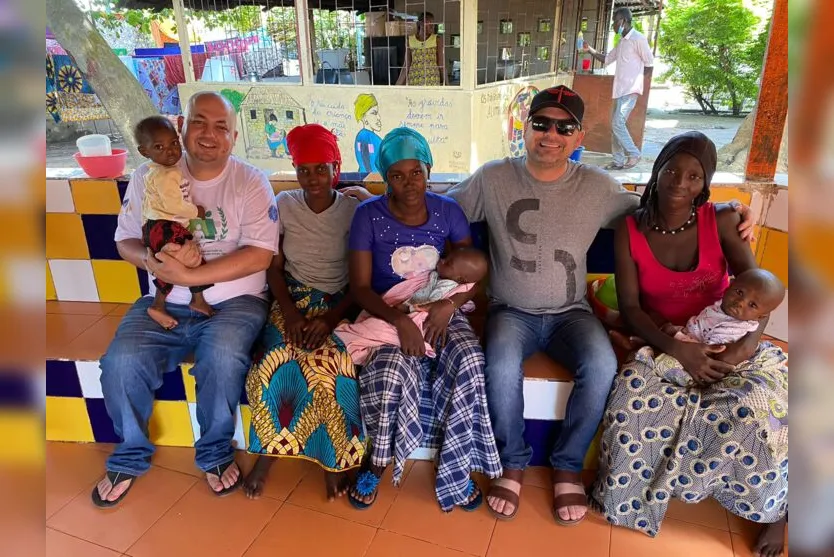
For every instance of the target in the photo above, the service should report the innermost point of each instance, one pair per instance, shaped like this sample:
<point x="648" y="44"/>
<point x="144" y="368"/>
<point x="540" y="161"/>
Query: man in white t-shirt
<point x="634" y="59"/>
<point x="238" y="236"/>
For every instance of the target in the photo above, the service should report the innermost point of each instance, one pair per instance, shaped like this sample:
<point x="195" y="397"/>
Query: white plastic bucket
<point x="94" y="145"/>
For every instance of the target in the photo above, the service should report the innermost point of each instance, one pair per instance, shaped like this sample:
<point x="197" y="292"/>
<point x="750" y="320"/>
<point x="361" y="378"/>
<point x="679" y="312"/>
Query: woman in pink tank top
<point x="717" y="439"/>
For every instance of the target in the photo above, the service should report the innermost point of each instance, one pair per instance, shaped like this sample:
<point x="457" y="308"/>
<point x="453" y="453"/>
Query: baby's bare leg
<point x="158" y="313"/>
<point x="198" y="301"/>
<point x="199" y="304"/>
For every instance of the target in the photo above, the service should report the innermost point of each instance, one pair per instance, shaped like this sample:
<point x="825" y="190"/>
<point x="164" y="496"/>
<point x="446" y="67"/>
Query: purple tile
<point x="62" y="379"/>
<point x="103" y="431"/>
<point x="172" y="387"/>
<point x="100" y="230"/>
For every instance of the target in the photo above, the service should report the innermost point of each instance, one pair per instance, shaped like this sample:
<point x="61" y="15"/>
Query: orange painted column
<point x="773" y="101"/>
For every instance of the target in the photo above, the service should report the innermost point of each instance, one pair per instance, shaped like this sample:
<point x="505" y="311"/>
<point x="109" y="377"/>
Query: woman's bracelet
<point x="452" y="302"/>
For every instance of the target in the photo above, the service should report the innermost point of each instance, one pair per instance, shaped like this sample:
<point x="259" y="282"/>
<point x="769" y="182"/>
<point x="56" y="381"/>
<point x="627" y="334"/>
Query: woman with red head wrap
<point x="302" y="389"/>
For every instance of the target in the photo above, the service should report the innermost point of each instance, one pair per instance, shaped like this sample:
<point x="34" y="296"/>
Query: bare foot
<point x="253" y="485"/>
<point x="504" y="493"/>
<point x="109" y="492"/>
<point x="229" y="478"/>
<point x="771" y="542"/>
<point x="199" y="304"/>
<point x="336" y="484"/>
<point x="162" y="317"/>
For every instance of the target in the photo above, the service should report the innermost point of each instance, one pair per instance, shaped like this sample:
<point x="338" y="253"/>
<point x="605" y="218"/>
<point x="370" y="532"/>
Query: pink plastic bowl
<point x="103" y="167"/>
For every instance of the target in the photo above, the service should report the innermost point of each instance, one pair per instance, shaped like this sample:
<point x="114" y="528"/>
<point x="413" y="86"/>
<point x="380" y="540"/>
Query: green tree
<point x="713" y="51"/>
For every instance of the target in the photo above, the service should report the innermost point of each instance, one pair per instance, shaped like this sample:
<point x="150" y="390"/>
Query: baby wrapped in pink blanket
<point x="456" y="273"/>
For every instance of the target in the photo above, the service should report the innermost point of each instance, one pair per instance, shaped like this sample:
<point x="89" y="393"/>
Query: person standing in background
<point x="634" y="59"/>
<point x="425" y="62"/>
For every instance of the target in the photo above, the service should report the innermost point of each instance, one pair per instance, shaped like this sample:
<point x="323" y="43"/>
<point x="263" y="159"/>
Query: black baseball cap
<point x="559" y="97"/>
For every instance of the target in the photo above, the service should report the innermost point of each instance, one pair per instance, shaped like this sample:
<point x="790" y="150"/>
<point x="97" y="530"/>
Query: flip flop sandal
<point x="631" y="164"/>
<point x="115" y="479"/>
<point x="507" y="495"/>
<point x="477" y="501"/>
<point x="218" y="471"/>
<point x="613" y="166"/>
<point x="568" y="499"/>
<point x="367" y="484"/>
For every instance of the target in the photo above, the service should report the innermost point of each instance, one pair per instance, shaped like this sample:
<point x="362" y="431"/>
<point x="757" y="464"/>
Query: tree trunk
<point x="733" y="156"/>
<point x="119" y="92"/>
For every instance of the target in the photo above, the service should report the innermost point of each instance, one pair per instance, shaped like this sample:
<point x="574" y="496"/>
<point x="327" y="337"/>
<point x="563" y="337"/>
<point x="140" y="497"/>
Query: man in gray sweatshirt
<point x="543" y="212"/>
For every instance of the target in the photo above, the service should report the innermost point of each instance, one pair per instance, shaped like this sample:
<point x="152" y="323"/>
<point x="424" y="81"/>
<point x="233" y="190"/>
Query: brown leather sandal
<point x="505" y="493"/>
<point x="568" y="499"/>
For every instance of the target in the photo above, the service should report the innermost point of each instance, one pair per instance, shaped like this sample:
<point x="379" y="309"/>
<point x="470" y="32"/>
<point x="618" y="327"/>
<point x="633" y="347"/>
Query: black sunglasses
<point x="563" y="127"/>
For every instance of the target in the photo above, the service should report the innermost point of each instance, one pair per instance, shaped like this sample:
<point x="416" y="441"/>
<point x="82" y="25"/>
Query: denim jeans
<point x="577" y="340"/>
<point x="143" y="351"/>
<point x="621" y="143"/>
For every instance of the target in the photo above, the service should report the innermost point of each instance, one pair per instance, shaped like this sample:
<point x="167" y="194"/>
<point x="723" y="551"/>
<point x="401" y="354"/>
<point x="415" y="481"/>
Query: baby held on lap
<point x="463" y="266"/>
<point x="458" y="272"/>
<point x="752" y="296"/>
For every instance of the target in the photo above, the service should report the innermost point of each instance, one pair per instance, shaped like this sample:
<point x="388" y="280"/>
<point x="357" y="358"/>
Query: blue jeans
<point x="143" y="351"/>
<point x="621" y="142"/>
<point x="577" y="340"/>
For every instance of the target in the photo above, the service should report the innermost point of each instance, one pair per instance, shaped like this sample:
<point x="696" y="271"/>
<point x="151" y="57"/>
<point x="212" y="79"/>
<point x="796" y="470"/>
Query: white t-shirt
<point x="240" y="211"/>
<point x="632" y="55"/>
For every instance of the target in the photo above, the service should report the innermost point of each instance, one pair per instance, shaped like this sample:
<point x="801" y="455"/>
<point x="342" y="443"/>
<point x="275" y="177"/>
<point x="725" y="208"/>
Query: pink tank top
<point x="677" y="296"/>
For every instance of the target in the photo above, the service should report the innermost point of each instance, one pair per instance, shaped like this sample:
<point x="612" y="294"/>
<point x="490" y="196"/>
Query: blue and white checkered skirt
<point x="409" y="402"/>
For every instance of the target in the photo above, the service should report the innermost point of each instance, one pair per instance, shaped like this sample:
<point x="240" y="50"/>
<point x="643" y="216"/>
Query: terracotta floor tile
<point x="120" y="527"/>
<point x="677" y="538"/>
<point x="80" y="308"/>
<point x="59" y="544"/>
<point x="310" y="494"/>
<point x="203" y="524"/>
<point x="415" y="513"/>
<point x="387" y="544"/>
<point x="535" y="532"/>
<point x="178" y="459"/>
<point x="70" y="469"/>
<point x="21" y="514"/>
<point x="299" y="531"/>
<point x="744" y="527"/>
<point x="62" y="329"/>
<point x="92" y="343"/>
<point x="284" y="476"/>
<point x="120" y="309"/>
<point x="706" y="513"/>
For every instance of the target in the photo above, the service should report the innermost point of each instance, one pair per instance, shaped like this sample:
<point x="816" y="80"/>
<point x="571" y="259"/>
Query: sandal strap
<point x="119" y="477"/>
<point x="366" y="483"/>
<point x="570" y="500"/>
<point x="504" y="494"/>
<point x="220" y="469"/>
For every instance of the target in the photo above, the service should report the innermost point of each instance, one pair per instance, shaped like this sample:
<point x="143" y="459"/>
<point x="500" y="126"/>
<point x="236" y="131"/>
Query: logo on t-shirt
<point x="409" y="261"/>
<point x="273" y="213"/>
<point x="207" y="228"/>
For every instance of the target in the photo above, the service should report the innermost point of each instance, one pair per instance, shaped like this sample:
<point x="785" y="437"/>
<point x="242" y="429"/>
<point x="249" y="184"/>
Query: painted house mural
<point x="268" y="114"/>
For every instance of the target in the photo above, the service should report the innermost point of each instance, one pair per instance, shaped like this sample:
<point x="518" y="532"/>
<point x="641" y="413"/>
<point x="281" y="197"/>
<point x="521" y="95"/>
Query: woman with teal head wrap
<point x="392" y="238"/>
<point x="399" y="147"/>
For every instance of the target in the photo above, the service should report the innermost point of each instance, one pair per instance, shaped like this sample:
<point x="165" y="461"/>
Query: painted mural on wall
<point x="517" y="114"/>
<point x="366" y="145"/>
<point x="359" y="119"/>
<point x="267" y="115"/>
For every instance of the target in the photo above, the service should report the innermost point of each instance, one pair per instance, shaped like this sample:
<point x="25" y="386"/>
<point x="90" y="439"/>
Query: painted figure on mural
<point x="517" y="116"/>
<point x="275" y="138"/>
<point x="366" y="146"/>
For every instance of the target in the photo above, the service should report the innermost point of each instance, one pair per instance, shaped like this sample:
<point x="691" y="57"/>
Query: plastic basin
<point x="111" y="166"/>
